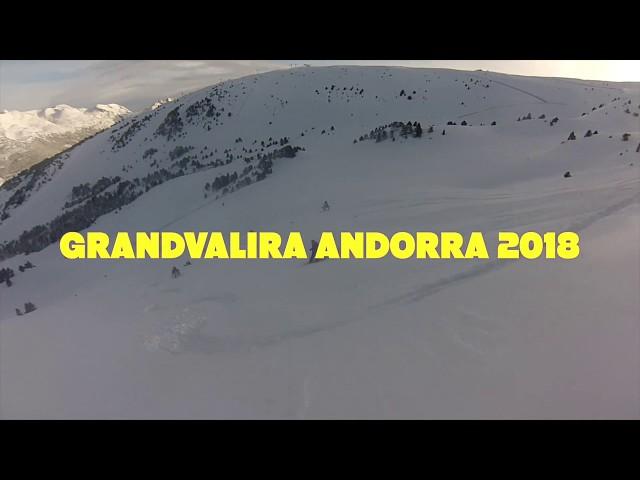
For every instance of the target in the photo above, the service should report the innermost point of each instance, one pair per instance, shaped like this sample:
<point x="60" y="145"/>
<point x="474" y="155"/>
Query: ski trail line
<point x="432" y="288"/>
<point x="514" y="88"/>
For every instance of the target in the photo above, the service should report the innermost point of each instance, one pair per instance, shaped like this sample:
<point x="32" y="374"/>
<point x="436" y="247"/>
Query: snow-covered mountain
<point x="160" y="103"/>
<point x="388" y="338"/>
<point x="30" y="136"/>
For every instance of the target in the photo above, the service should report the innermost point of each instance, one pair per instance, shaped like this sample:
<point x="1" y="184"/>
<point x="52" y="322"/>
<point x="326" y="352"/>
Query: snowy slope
<point x="342" y="339"/>
<point x="30" y="136"/>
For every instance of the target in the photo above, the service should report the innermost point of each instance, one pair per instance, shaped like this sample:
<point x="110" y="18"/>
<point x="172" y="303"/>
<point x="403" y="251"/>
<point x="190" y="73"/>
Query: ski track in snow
<point x="516" y="89"/>
<point x="432" y="288"/>
<point x="210" y="344"/>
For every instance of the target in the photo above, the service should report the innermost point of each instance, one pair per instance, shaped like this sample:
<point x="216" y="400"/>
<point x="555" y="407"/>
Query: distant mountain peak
<point x="160" y="103"/>
<point x="27" y="137"/>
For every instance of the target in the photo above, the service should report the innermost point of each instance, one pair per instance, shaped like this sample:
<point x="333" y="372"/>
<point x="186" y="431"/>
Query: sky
<point x="136" y="84"/>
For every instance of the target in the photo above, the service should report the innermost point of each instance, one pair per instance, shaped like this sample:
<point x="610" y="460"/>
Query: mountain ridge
<point x="27" y="137"/>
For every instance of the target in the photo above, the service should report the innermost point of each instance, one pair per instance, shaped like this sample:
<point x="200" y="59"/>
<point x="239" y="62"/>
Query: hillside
<point x="383" y="338"/>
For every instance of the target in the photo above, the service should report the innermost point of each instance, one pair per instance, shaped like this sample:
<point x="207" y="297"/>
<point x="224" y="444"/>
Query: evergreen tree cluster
<point x="77" y="219"/>
<point x="6" y="274"/>
<point x="150" y="152"/>
<point x="82" y="192"/>
<point x="27" y="266"/>
<point x="389" y="131"/>
<point x="179" y="151"/>
<point x="28" y="308"/>
<point x="30" y="181"/>
<point x="172" y="125"/>
<point x="231" y="182"/>
<point x="345" y="93"/>
<point x="132" y="128"/>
